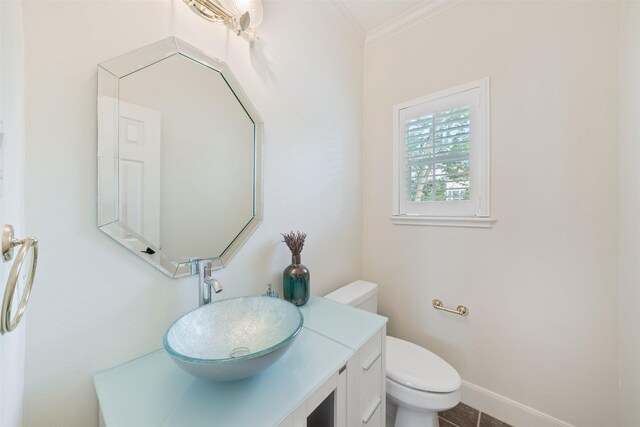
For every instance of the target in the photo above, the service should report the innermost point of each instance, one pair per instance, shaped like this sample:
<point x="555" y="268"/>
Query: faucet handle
<point x="207" y="283"/>
<point x="212" y="281"/>
<point x="207" y="269"/>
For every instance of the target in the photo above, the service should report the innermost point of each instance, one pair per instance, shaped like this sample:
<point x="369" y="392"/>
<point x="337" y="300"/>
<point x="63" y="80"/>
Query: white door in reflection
<point x="139" y="170"/>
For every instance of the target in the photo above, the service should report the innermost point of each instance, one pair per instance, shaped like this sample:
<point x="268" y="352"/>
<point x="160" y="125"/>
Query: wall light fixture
<point x="241" y="15"/>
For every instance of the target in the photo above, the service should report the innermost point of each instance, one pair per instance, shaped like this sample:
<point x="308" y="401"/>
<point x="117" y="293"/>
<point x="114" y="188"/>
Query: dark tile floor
<point x="465" y="416"/>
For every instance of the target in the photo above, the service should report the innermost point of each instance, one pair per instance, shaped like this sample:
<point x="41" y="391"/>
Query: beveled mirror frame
<point x="109" y="74"/>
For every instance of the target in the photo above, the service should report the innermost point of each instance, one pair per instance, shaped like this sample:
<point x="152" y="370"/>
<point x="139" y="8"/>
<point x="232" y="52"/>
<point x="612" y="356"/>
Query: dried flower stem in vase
<point x="295" y="241"/>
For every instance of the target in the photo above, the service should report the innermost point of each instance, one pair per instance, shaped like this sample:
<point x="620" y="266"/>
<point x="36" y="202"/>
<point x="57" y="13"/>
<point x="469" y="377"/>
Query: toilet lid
<point x="416" y="367"/>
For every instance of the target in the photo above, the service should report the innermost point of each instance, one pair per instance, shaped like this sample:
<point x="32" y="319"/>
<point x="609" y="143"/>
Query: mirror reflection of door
<point x="139" y="170"/>
<point x="207" y="161"/>
<point x="179" y="157"/>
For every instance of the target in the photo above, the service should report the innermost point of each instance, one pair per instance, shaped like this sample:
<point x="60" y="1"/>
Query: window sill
<point x="444" y="221"/>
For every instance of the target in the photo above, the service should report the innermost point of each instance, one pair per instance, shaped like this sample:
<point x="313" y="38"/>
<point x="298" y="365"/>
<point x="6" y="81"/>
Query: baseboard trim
<point x="506" y="409"/>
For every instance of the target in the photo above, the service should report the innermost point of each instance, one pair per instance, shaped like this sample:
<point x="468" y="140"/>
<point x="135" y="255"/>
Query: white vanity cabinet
<point x="333" y="375"/>
<point x="354" y="396"/>
<point x="325" y="407"/>
<point x="366" y="397"/>
<point x="364" y="333"/>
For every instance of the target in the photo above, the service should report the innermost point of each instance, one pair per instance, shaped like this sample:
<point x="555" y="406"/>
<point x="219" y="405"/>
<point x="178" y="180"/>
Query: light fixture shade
<point x="238" y="7"/>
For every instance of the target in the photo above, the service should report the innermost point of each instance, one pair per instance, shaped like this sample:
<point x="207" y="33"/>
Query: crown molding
<point x="347" y="19"/>
<point x="405" y="21"/>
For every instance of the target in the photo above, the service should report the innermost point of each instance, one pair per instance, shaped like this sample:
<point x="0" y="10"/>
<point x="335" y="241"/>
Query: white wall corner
<point x="347" y="19"/>
<point x="407" y="20"/>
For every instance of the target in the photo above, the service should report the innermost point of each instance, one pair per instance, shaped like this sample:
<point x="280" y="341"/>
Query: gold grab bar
<point x="460" y="310"/>
<point x="7" y="324"/>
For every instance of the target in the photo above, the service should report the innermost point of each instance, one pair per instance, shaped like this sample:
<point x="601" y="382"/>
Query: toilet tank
<point x="360" y="293"/>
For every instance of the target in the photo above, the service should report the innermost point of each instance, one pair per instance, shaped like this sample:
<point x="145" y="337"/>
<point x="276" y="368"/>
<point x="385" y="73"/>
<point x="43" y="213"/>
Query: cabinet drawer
<point x="376" y="418"/>
<point x="370" y="361"/>
<point x="370" y="404"/>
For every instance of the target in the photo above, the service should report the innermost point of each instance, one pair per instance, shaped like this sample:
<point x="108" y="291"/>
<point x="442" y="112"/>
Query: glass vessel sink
<point x="234" y="338"/>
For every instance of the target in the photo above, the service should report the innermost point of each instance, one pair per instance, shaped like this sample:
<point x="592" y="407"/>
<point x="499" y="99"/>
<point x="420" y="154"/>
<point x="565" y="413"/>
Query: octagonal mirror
<point x="179" y="157"/>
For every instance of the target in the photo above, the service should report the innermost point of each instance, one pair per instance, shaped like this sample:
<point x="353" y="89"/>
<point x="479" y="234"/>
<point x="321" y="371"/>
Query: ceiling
<point x="370" y="14"/>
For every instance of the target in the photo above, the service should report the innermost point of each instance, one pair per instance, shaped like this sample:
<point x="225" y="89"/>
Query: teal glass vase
<point x="295" y="282"/>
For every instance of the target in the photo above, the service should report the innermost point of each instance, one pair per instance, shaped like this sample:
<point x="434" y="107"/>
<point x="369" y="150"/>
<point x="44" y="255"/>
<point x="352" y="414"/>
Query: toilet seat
<point x="417" y="368"/>
<point x="419" y="400"/>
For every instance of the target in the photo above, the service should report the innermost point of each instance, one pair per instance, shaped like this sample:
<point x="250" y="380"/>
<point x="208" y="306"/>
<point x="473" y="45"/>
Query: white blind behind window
<point x="437" y="156"/>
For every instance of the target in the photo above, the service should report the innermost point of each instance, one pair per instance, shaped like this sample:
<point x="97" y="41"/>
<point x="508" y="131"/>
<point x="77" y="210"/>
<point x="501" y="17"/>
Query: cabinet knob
<point x="372" y="411"/>
<point x="370" y="363"/>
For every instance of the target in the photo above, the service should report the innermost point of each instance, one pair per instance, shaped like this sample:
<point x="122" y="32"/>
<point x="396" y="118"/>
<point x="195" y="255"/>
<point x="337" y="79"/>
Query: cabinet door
<point x="370" y="405"/>
<point x="370" y="357"/>
<point x="329" y="399"/>
<point x="340" y="399"/>
<point x="366" y="391"/>
<point x="297" y="418"/>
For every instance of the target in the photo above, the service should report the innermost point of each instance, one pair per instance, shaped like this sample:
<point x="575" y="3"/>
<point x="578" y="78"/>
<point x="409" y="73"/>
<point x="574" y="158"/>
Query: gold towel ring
<point x="8" y="324"/>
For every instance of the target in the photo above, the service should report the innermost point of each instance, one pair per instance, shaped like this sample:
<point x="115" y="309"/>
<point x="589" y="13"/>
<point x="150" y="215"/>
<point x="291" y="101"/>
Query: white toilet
<point x="418" y="382"/>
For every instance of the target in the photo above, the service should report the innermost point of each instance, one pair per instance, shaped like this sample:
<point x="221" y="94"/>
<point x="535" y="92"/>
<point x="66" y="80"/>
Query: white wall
<point x="629" y="292"/>
<point x="95" y="304"/>
<point x="541" y="285"/>
<point x="12" y="167"/>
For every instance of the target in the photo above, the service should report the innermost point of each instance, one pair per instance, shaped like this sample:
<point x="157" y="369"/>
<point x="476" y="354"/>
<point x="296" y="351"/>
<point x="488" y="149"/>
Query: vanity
<point x="332" y="375"/>
<point x="180" y="186"/>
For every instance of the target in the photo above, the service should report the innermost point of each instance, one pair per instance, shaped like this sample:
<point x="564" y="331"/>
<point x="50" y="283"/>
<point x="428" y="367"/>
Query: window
<point x="441" y="158"/>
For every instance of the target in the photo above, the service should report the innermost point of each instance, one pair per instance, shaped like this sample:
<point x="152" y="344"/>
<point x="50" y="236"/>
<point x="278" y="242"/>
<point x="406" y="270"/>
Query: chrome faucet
<point x="208" y="284"/>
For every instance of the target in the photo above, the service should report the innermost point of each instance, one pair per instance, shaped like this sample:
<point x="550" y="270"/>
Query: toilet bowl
<point x="418" y="382"/>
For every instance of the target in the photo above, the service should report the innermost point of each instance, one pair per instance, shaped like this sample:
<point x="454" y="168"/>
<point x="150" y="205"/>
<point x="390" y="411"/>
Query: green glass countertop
<point x="152" y="391"/>
<point x="342" y="323"/>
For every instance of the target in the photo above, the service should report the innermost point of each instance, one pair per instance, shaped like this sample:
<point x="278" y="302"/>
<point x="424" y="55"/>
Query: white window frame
<point x="474" y="212"/>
